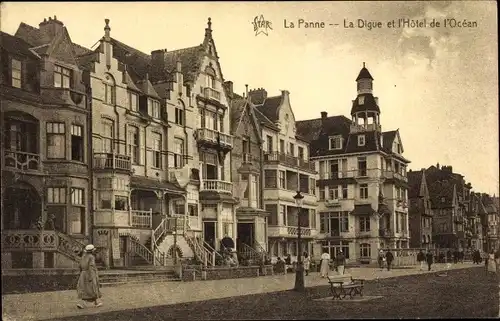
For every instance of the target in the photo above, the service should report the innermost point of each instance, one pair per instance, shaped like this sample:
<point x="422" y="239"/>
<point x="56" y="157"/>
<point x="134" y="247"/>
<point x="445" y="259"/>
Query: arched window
<point x="211" y="76"/>
<point x="109" y="90"/>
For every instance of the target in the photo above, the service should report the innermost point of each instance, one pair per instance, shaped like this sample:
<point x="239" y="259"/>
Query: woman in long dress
<point x="307" y="263"/>
<point x="88" y="282"/>
<point x="325" y="264"/>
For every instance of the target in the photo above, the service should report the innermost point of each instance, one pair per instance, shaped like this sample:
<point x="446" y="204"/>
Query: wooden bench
<point x="342" y="286"/>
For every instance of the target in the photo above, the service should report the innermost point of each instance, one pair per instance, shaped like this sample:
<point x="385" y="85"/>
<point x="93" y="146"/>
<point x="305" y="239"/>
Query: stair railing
<point x="136" y="247"/>
<point x="69" y="246"/>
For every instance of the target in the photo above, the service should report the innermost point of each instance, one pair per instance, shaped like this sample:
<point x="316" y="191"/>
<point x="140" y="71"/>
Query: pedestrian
<point x="88" y="281"/>
<point x="389" y="257"/>
<point x="340" y="262"/>
<point x="381" y="259"/>
<point x="280" y="266"/>
<point x="491" y="266"/>
<point x="429" y="258"/>
<point x="421" y="259"/>
<point x="455" y="256"/>
<point x="325" y="264"/>
<point x="307" y="263"/>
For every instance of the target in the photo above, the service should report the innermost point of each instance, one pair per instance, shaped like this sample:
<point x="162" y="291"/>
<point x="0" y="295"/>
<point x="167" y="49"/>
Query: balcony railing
<point x="211" y="93"/>
<point x="29" y="240"/>
<point x="21" y="160"/>
<point x="288" y="160"/>
<point x="361" y="173"/>
<point x="389" y="174"/>
<point x="217" y="186"/>
<point x="210" y="135"/>
<point x="142" y="219"/>
<point x="112" y="161"/>
<point x="289" y="231"/>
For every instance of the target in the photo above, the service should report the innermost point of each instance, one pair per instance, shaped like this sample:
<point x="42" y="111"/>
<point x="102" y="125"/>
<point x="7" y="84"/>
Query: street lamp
<point x="299" y="271"/>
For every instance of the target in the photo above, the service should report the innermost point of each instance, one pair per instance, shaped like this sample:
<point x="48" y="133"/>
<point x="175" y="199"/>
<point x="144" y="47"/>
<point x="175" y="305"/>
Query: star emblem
<point x="261" y="25"/>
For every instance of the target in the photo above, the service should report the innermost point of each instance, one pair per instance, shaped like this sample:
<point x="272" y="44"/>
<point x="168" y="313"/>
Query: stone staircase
<point x="251" y="254"/>
<point x="114" y="278"/>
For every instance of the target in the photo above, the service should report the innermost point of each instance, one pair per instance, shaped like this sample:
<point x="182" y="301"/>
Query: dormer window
<point x="133" y="101"/>
<point x="17" y="68"/>
<point x="154" y="108"/>
<point x="361" y="140"/>
<point x="336" y="142"/>
<point x="62" y="77"/>
<point x="361" y="100"/>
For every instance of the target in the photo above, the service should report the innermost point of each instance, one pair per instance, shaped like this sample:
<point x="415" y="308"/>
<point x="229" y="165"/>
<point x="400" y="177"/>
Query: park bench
<point x="342" y="286"/>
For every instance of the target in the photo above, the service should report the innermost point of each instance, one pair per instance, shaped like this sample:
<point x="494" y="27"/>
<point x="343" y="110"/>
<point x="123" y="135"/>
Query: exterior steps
<point x="112" y="278"/>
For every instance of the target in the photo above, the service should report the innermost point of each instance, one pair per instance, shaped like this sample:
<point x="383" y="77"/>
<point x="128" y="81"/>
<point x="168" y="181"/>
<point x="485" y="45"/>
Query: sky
<point x="437" y="85"/>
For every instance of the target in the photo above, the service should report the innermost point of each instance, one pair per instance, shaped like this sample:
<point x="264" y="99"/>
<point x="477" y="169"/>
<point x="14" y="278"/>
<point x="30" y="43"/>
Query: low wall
<point x="220" y="273"/>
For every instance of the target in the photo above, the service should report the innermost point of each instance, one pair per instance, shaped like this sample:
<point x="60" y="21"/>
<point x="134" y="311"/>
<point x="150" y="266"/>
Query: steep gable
<point x="244" y="122"/>
<point x="61" y="48"/>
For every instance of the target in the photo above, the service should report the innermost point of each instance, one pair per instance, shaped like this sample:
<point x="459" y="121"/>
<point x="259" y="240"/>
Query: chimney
<point x="178" y="66"/>
<point x="437" y="165"/>
<point x="158" y="62"/>
<point x="376" y="100"/>
<point x="257" y="96"/>
<point x="107" y="30"/>
<point x="324" y="114"/>
<point x="448" y="169"/>
<point x="51" y="27"/>
<point x="229" y="86"/>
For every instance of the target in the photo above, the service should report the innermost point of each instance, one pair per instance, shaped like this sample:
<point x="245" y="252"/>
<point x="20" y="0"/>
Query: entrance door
<point x="209" y="233"/>
<point x="245" y="234"/>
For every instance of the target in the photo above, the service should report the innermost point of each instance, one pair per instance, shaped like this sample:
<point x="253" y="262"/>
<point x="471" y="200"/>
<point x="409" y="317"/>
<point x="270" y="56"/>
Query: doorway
<point x="209" y="233"/>
<point x="245" y="234"/>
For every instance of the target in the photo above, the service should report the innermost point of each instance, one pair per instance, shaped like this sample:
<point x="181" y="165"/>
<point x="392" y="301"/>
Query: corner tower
<point x="365" y="111"/>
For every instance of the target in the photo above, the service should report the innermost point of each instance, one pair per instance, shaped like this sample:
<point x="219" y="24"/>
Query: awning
<point x="152" y="184"/>
<point x="365" y="209"/>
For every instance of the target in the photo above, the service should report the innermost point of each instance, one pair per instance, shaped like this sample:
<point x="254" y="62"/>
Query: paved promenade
<point x="47" y="305"/>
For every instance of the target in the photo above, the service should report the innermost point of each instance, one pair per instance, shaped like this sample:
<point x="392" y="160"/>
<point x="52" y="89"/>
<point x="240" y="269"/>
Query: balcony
<point x="213" y="138"/>
<point x="29" y="240"/>
<point x="217" y="186"/>
<point x="67" y="96"/>
<point x="211" y="93"/>
<point x="21" y="160"/>
<point x="390" y="174"/>
<point x="111" y="161"/>
<point x="332" y="203"/>
<point x="142" y="219"/>
<point x="288" y="160"/>
<point x="385" y="232"/>
<point x="284" y="231"/>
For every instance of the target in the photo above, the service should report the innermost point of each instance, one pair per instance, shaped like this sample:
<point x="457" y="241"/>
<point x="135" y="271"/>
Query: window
<point x="361" y="100"/>
<point x="300" y="152"/>
<point x="282" y="146"/>
<point x="179" y="207"/>
<point x="193" y="209"/>
<point x="363" y="191"/>
<point x="107" y="135"/>
<point x="270" y="179"/>
<point x="291" y="149"/>
<point x="77" y="143"/>
<point x="334" y="247"/>
<point x="361" y="140"/>
<point x="322" y="194"/>
<point x="246" y="145"/>
<point x="132" y="101"/>
<point x="282" y="182"/>
<point x="312" y="186"/>
<point x="121" y="203"/>
<point x="345" y="191"/>
<point x="56" y="195"/>
<point x="133" y="144"/>
<point x="156" y="149"/>
<point x="334" y="223"/>
<point x="77" y="196"/>
<point x="154" y="108"/>
<point x="283" y="214"/>
<point x="273" y="214"/>
<point x="221" y="123"/>
<point x="104" y="183"/>
<point x="17" y="71"/>
<point x="336" y="142"/>
<point x="179" y="116"/>
<point x="178" y="153"/>
<point x="210" y="169"/>
<point x="333" y="192"/>
<point x="269" y="144"/>
<point x="364" y="224"/>
<point x="62" y="77"/>
<point x="56" y="142"/>
<point x="109" y="90"/>
<point x="211" y="81"/>
<point x="362" y="171"/>
<point x="365" y="250"/>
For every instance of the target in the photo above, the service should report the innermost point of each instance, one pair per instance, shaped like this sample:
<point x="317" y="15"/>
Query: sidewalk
<point x="47" y="305"/>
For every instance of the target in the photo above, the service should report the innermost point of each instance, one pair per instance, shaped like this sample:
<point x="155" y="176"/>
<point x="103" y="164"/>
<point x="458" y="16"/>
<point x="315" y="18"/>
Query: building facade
<point x="362" y="185"/>
<point x="45" y="119"/>
<point x="419" y="211"/>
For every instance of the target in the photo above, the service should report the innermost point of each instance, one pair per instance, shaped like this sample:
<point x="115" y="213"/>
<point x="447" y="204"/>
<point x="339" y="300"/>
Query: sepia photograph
<point x="236" y="160"/>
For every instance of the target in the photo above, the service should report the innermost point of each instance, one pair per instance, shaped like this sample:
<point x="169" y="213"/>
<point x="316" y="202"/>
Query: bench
<point x="342" y="286"/>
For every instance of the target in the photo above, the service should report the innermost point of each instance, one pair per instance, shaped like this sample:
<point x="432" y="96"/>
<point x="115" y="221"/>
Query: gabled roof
<point x="191" y="59"/>
<point x="414" y="182"/>
<point x="270" y="107"/>
<point x="16" y="45"/>
<point x="333" y="125"/>
<point x="263" y="120"/>
<point x="364" y="74"/>
<point x="237" y="112"/>
<point x="388" y="139"/>
<point x="147" y="88"/>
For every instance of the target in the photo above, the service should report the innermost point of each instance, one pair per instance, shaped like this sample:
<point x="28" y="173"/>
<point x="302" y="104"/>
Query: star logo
<point x="261" y="25"/>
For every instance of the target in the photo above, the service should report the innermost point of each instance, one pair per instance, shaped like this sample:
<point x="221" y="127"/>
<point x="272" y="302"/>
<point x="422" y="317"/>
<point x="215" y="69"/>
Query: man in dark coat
<point x="389" y="257"/>
<point x="429" y="258"/>
<point x="421" y="259"/>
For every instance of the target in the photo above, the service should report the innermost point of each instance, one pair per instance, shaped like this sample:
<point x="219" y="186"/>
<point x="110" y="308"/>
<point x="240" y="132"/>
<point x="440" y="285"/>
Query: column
<point x="235" y="226"/>
<point x="218" y="227"/>
<point x="250" y="190"/>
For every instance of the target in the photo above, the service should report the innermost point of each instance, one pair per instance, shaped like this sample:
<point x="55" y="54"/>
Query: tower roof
<point x="364" y="73"/>
<point x="369" y="104"/>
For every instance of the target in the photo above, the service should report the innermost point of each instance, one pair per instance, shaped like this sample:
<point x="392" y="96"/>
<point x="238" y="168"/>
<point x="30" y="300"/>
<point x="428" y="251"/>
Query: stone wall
<point x="221" y="273"/>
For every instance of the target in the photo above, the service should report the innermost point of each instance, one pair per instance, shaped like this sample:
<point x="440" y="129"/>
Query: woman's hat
<point x="89" y="248"/>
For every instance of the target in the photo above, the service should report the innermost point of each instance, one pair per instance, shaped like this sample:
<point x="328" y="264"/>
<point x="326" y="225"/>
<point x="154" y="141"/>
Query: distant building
<point x="420" y="211"/>
<point x="362" y="186"/>
<point x="491" y="224"/>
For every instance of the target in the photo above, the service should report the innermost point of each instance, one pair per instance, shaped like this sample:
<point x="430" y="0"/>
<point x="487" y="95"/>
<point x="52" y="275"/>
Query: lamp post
<point x="299" y="272"/>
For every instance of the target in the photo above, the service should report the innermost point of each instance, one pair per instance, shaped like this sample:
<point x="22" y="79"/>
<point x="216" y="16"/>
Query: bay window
<point x="56" y="140"/>
<point x="62" y="77"/>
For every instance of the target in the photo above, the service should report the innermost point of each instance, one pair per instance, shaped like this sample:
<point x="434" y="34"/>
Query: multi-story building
<point x="362" y="179"/>
<point x="474" y="218"/>
<point x="286" y="170"/>
<point x="46" y="191"/>
<point x="419" y="211"/>
<point x="491" y="229"/>
<point x="247" y="173"/>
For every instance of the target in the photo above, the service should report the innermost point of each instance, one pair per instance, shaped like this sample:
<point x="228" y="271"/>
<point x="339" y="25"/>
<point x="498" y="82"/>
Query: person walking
<point x="88" y="282"/>
<point x="429" y="258"/>
<point x="325" y="264"/>
<point x="381" y="259"/>
<point x="491" y="266"/>
<point x="389" y="257"/>
<point x="307" y="263"/>
<point x="421" y="259"/>
<point x="340" y="262"/>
